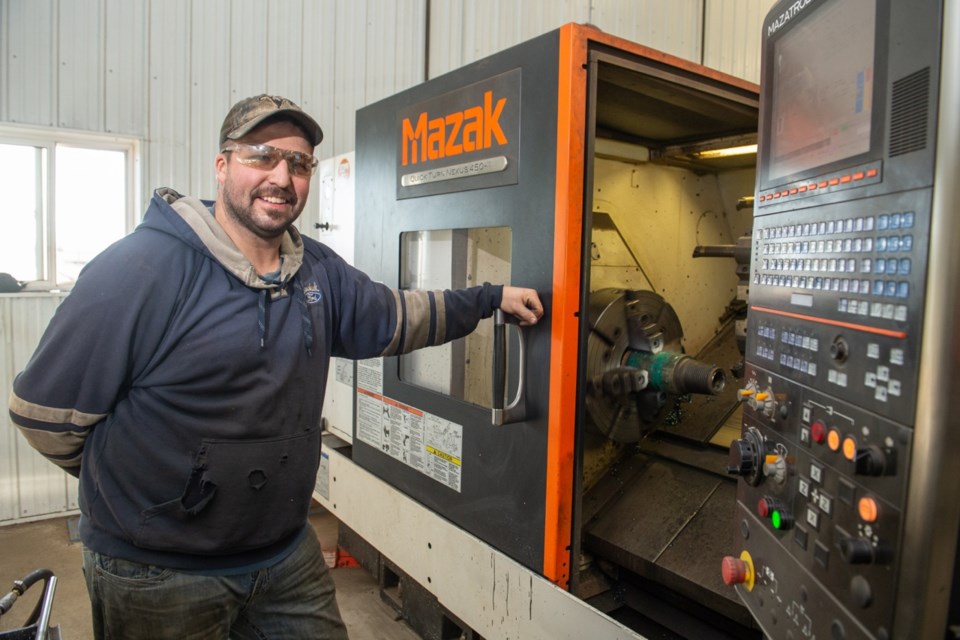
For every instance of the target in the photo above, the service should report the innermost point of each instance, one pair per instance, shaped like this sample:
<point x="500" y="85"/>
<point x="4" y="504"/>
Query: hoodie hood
<point x="221" y="248"/>
<point x="209" y="237"/>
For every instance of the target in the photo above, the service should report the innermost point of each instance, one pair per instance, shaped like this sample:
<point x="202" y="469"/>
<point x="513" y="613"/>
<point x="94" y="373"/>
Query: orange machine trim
<point x="564" y="338"/>
<point x="890" y="333"/>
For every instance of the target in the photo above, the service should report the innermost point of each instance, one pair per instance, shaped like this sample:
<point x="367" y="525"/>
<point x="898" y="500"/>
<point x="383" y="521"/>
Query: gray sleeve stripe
<point x="441" y="315"/>
<point x="391" y="348"/>
<point x="417" y="320"/>
<point x="61" y="445"/>
<point x="53" y="415"/>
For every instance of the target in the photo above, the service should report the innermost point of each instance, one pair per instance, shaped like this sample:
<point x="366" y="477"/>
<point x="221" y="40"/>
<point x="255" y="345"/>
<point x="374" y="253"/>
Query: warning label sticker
<point x="430" y="444"/>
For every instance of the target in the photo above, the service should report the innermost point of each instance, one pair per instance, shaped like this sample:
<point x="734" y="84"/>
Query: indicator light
<point x="833" y="439"/>
<point x="868" y="509"/>
<point x="850" y="448"/>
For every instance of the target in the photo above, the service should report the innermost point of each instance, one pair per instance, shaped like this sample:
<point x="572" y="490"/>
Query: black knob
<point x="839" y="350"/>
<point x="857" y="551"/>
<point x="876" y="461"/>
<point x="743" y="458"/>
<point x="746" y="455"/>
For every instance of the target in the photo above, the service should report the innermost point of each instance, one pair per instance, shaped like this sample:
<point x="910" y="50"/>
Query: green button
<point x="775" y="518"/>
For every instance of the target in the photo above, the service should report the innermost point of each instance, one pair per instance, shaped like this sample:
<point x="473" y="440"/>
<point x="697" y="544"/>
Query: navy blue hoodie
<point x="185" y="391"/>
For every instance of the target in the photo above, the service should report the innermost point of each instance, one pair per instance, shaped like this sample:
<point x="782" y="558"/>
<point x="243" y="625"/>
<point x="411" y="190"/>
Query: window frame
<point x="47" y="139"/>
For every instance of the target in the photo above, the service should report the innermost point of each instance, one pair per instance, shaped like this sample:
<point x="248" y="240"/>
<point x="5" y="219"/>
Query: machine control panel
<point x="824" y="489"/>
<point x="838" y="297"/>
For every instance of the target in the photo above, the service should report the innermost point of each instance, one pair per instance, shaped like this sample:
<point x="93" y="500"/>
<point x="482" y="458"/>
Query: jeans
<point x="292" y="599"/>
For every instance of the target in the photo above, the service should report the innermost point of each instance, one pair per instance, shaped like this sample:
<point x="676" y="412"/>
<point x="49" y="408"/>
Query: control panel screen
<point x="822" y="88"/>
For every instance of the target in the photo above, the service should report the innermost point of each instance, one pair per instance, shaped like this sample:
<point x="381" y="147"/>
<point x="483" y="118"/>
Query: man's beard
<point x="243" y="215"/>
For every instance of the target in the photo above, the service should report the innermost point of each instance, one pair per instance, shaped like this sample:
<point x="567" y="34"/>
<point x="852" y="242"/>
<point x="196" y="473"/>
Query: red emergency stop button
<point x="818" y="432"/>
<point x="738" y="570"/>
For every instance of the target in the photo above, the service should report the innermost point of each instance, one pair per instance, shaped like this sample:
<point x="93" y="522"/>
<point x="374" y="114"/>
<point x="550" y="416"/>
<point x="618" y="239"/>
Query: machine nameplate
<point x="453" y="172"/>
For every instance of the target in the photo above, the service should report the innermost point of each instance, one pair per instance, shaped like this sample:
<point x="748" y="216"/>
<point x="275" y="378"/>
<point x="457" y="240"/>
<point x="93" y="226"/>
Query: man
<point x="182" y="381"/>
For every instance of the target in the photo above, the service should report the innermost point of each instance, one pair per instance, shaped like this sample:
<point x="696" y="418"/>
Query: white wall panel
<point x="284" y="49"/>
<point x="28" y="88"/>
<point x="732" y="33"/>
<point x="318" y="99"/>
<point x="168" y="124"/>
<point x="349" y="66"/>
<point x="395" y="47"/>
<point x="125" y="73"/>
<point x="30" y="486"/>
<point x="80" y="65"/>
<point x="213" y="39"/>
<point x="462" y="31"/>
<point x="672" y="26"/>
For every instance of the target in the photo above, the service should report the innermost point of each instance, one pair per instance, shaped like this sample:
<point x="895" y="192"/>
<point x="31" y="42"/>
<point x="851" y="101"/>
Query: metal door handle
<point x="516" y="411"/>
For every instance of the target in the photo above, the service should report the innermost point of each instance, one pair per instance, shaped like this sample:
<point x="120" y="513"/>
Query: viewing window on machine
<point x="455" y="259"/>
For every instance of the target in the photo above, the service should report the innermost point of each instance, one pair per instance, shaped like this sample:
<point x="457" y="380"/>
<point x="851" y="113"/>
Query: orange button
<point x="802" y="188"/>
<point x="793" y="191"/>
<point x="858" y="175"/>
<point x="834" y="182"/>
<point x="784" y="193"/>
<point x="872" y="173"/>
<point x="823" y="183"/>
<point x="833" y="439"/>
<point x="812" y="186"/>
<point x="845" y="179"/>
<point x="868" y="509"/>
<point x="776" y="195"/>
<point x="850" y="448"/>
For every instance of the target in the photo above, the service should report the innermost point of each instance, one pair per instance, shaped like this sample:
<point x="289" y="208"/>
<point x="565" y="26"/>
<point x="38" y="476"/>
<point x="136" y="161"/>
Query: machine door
<point x="455" y="187"/>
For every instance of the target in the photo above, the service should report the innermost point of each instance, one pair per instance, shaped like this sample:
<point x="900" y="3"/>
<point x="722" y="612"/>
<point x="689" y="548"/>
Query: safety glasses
<point x="265" y="158"/>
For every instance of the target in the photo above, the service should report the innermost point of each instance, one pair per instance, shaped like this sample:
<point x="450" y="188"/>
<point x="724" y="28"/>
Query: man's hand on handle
<point x="523" y="303"/>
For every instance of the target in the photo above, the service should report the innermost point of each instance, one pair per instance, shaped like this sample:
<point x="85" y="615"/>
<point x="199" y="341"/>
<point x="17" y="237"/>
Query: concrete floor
<point x="46" y="544"/>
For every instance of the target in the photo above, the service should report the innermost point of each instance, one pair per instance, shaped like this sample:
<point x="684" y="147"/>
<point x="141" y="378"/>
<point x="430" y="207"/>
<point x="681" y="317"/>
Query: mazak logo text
<point x="435" y="137"/>
<point x="786" y="16"/>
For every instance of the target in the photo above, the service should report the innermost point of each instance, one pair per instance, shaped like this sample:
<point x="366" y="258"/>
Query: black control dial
<point x="746" y="457"/>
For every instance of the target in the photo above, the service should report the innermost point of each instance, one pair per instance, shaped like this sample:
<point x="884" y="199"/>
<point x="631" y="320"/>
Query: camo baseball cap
<point x="249" y="113"/>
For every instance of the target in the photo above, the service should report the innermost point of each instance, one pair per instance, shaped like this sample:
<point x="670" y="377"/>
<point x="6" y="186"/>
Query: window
<point x="450" y="259"/>
<point x="69" y="196"/>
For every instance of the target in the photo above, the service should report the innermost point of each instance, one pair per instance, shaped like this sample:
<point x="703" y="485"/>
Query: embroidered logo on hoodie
<point x="312" y="293"/>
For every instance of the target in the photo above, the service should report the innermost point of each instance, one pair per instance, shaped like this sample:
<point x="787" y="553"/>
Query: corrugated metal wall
<point x="166" y="71"/>
<point x="30" y="486"/>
